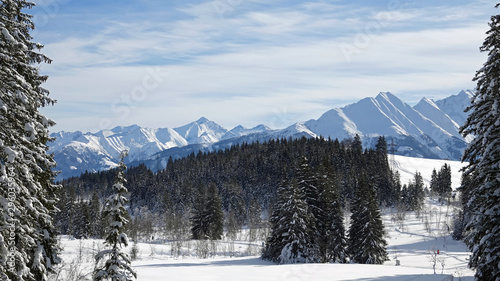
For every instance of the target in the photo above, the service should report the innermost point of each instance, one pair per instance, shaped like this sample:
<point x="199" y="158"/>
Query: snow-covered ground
<point x="407" y="166"/>
<point x="413" y="243"/>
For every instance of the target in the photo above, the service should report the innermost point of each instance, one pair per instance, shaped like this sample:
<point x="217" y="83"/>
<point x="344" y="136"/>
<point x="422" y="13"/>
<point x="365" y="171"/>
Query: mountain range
<point x="430" y="129"/>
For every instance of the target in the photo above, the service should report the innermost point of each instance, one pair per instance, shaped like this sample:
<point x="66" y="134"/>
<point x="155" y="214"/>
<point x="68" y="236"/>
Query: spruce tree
<point x="415" y="194"/>
<point x="332" y="241"/>
<point x="293" y="228"/>
<point x="465" y="189"/>
<point x="254" y="219"/>
<point x="308" y="185"/>
<point x="28" y="245"/>
<point x="445" y="181"/>
<point x="367" y="244"/>
<point x="434" y="183"/>
<point x="483" y="155"/>
<point x="81" y="221"/>
<point x="112" y="263"/>
<point x="198" y="224"/>
<point x="274" y="243"/>
<point x="441" y="182"/>
<point x="207" y="221"/>
<point x="214" y="215"/>
<point x="381" y="171"/>
<point x="96" y="222"/>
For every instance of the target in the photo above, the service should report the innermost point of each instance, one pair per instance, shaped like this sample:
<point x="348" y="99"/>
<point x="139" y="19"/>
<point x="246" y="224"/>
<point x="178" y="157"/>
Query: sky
<point x="164" y="64"/>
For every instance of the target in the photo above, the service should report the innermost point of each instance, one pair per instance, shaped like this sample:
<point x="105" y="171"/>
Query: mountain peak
<point x="455" y="105"/>
<point x="202" y="120"/>
<point x="125" y="128"/>
<point x="239" y="128"/>
<point x="427" y="101"/>
<point x="201" y="131"/>
<point x="466" y="94"/>
<point x="386" y="96"/>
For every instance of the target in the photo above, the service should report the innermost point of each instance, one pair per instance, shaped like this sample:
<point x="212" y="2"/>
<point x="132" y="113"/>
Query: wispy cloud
<point x="249" y="61"/>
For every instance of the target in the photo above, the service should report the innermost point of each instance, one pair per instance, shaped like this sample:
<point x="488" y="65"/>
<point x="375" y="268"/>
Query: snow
<point x="430" y="110"/>
<point x="7" y="36"/>
<point x="407" y="166"/>
<point x="252" y="268"/>
<point x="333" y="123"/>
<point x="11" y="154"/>
<point x="455" y="105"/>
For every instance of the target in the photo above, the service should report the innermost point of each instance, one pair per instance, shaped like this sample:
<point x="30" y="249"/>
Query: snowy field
<point x="407" y="166"/>
<point x="413" y="243"/>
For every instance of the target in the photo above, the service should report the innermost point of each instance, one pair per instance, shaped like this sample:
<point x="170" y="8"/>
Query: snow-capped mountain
<point x="428" y="129"/>
<point x="422" y="131"/>
<point x="77" y="152"/>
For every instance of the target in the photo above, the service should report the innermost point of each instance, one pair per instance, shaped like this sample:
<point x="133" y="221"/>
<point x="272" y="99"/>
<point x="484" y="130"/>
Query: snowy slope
<point x="407" y="166"/>
<point x="431" y="111"/>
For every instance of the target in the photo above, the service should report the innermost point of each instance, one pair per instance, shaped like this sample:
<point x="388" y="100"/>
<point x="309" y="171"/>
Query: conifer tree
<point x="28" y="245"/>
<point x="214" y="213"/>
<point x="274" y="243"/>
<point x="483" y="155"/>
<point x="445" y="181"/>
<point x="81" y="221"/>
<point x="293" y="227"/>
<point x="113" y="263"/>
<point x="69" y="213"/>
<point x="397" y="188"/>
<point x="198" y="224"/>
<point x="441" y="182"/>
<point x="235" y="215"/>
<point x="96" y="221"/>
<point x="331" y="241"/>
<point x="434" y="183"/>
<point x="208" y="218"/>
<point x="414" y="193"/>
<point x="254" y="219"/>
<point x="465" y="189"/>
<point x="367" y="244"/>
<point x="308" y="185"/>
<point x="381" y="171"/>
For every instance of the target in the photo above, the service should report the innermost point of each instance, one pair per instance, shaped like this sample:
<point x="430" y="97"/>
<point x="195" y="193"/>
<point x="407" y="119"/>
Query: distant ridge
<point x="429" y="130"/>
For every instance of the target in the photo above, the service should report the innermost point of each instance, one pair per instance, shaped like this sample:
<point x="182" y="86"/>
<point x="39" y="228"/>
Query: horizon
<point x="249" y="62"/>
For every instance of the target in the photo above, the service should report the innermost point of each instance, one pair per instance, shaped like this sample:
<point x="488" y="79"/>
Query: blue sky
<point x="273" y="62"/>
